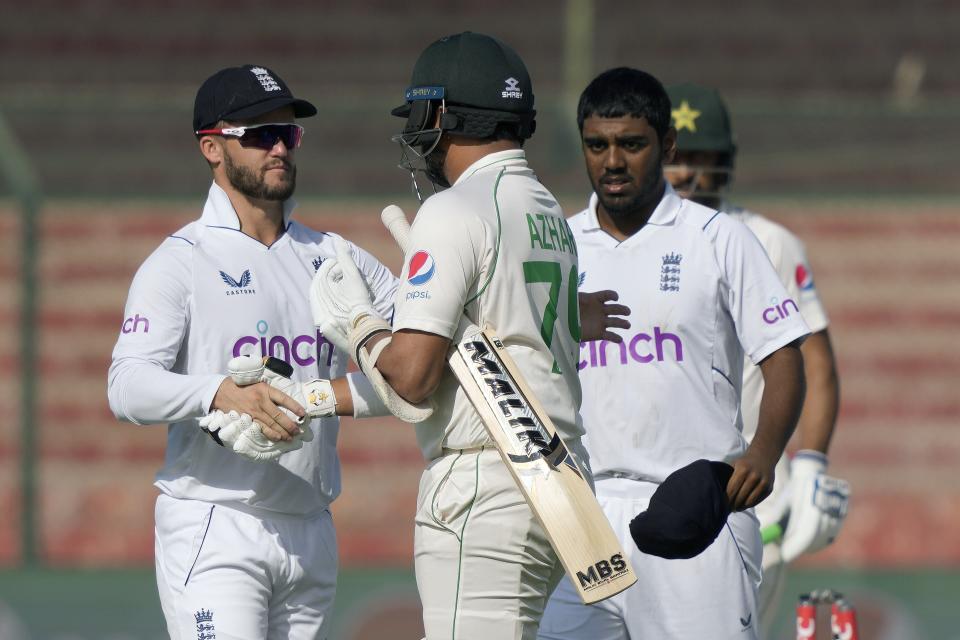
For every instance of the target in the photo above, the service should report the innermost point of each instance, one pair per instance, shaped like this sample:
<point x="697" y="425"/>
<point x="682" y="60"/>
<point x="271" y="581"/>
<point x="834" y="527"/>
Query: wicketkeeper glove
<point x="343" y="311"/>
<point x="239" y="433"/>
<point x="818" y="505"/>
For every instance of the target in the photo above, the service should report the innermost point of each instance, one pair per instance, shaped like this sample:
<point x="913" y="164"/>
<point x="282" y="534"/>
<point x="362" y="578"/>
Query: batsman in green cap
<point x="806" y="508"/>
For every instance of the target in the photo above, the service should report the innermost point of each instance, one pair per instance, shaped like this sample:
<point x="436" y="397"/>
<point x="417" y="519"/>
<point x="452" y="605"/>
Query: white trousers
<point x="230" y="575"/>
<point x="484" y="564"/>
<point x="713" y="595"/>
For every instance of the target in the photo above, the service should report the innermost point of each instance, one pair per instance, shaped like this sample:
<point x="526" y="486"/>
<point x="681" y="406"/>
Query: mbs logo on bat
<point x="602" y="572"/>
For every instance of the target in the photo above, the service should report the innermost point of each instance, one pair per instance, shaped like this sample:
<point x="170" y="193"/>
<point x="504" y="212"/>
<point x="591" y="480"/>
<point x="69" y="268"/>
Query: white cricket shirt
<point x="702" y="293"/>
<point x="207" y="294"/>
<point x="496" y="245"/>
<point x="789" y="258"/>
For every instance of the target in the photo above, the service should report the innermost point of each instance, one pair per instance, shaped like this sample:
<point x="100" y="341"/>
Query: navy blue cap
<point x="686" y="513"/>
<point x="240" y="93"/>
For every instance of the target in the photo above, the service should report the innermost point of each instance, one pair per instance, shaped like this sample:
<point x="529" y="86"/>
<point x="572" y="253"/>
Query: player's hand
<point x="339" y="297"/>
<point x="239" y="433"/>
<point x="751" y="482"/>
<point x="263" y="404"/>
<point x="598" y="315"/>
<point x="818" y="505"/>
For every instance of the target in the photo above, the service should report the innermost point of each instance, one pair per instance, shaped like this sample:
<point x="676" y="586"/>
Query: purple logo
<point x="304" y="349"/>
<point x="779" y="311"/>
<point x="132" y="325"/>
<point x="642" y="348"/>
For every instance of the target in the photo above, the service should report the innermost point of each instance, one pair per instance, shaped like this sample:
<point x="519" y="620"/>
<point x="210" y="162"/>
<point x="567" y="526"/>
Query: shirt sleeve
<point x="441" y="267"/>
<point x="141" y="387"/>
<point x="797" y="276"/>
<point x="765" y="316"/>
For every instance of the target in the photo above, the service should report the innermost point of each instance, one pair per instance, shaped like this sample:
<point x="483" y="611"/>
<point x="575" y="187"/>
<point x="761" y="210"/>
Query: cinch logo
<point x="803" y="277"/>
<point x="511" y="89"/>
<point x="304" y="350"/>
<point x="131" y="325"/>
<point x="779" y="311"/>
<point x="421" y="268"/>
<point x="602" y="572"/>
<point x="240" y="286"/>
<point x="638" y="348"/>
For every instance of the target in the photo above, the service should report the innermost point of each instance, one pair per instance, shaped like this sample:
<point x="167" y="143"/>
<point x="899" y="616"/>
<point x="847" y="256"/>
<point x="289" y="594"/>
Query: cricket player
<point x="703" y="294"/>
<point x="244" y="548"/>
<point x="492" y="244"/>
<point x="811" y="504"/>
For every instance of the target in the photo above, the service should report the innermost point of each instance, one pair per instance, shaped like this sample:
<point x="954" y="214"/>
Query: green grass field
<point x="123" y="605"/>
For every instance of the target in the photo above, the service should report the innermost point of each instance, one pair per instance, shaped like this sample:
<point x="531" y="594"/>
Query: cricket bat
<point x="550" y="479"/>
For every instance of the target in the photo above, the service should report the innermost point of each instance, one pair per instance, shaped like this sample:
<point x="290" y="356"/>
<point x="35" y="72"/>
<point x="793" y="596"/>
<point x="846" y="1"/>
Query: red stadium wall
<point x="889" y="275"/>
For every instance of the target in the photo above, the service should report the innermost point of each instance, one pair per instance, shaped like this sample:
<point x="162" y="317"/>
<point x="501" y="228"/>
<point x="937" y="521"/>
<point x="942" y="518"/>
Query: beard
<point x="254" y="185"/>
<point x="626" y="207"/>
<point x="434" y="162"/>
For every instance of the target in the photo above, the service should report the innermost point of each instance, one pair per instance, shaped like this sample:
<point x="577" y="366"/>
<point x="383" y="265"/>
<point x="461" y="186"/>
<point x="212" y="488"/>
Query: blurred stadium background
<point x="847" y="118"/>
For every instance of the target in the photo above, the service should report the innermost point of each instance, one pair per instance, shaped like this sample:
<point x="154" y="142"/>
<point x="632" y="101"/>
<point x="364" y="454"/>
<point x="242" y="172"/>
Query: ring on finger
<point x="279" y="413"/>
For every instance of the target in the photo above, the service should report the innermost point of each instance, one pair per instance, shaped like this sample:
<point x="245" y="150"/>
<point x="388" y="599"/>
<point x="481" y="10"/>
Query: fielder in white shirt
<point x="703" y="294"/>
<point x="806" y="509"/>
<point x="244" y="548"/>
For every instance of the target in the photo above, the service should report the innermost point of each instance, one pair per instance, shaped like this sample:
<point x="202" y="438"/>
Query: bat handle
<point x="395" y="220"/>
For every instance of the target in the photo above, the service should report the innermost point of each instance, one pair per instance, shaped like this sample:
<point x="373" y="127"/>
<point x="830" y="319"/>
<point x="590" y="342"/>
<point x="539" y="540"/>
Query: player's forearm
<point x="413" y="363"/>
<point x="142" y="392"/>
<point x="780" y="405"/>
<point x="819" y="416"/>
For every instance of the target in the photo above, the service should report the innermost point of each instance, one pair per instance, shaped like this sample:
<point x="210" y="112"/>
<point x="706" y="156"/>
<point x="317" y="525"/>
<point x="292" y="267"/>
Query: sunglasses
<point x="261" y="136"/>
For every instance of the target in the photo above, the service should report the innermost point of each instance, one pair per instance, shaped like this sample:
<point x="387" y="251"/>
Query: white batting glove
<point x="818" y="505"/>
<point x="342" y="304"/>
<point x="239" y="433"/>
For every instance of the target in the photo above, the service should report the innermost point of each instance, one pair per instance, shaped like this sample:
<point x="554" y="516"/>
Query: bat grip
<point x="396" y="223"/>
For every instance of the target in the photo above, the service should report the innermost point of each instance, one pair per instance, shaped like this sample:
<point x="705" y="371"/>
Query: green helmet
<point x="701" y="120"/>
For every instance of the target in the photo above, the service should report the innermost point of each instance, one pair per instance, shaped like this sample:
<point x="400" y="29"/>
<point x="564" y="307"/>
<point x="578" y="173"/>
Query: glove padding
<point x="818" y="506"/>
<point x="343" y="311"/>
<point x="339" y="297"/>
<point x="239" y="433"/>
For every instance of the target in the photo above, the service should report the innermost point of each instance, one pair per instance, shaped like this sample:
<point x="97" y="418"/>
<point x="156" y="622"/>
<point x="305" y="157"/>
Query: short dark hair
<point x="623" y="92"/>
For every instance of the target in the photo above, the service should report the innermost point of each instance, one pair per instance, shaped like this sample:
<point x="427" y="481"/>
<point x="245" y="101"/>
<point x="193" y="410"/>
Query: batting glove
<point x="341" y="303"/>
<point x="818" y="505"/>
<point x="239" y="433"/>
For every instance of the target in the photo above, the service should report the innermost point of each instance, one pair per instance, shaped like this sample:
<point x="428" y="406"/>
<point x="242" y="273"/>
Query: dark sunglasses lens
<point x="267" y="136"/>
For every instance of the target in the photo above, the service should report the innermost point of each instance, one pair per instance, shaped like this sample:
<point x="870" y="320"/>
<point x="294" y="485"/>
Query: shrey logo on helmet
<point x="421" y="269"/>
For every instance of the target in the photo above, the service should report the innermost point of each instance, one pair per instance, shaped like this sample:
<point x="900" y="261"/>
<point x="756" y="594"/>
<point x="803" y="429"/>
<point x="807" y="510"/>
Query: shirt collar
<point x="663" y="215"/>
<point x="496" y="160"/>
<point x="219" y="212"/>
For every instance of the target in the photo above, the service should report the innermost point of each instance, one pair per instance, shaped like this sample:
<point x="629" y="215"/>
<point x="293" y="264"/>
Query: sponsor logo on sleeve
<point x="135" y="324"/>
<point x="778" y="311"/>
<point x="804" y="277"/>
<point x="422" y="268"/>
<point x="239" y="286"/>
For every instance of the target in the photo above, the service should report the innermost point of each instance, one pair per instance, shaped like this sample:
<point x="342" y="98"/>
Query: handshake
<point x="246" y="436"/>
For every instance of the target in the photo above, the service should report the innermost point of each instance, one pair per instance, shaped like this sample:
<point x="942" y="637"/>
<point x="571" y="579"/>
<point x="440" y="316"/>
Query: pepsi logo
<point x="421" y="268"/>
<point x="804" y="277"/>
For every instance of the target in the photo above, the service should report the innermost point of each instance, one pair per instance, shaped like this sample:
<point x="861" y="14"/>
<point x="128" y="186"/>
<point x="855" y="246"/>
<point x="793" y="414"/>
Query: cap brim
<point x="403" y="111"/>
<point x="301" y="108"/>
